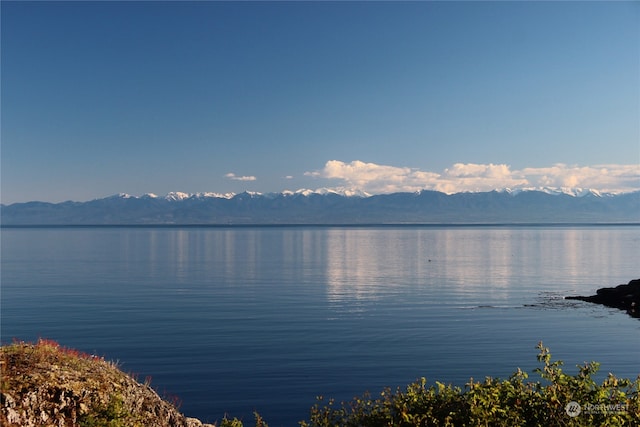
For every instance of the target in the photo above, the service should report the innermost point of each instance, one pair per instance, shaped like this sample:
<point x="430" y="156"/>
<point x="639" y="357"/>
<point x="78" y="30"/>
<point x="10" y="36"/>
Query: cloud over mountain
<point x="608" y="178"/>
<point x="379" y="179"/>
<point x="235" y="177"/>
<point x="374" y="178"/>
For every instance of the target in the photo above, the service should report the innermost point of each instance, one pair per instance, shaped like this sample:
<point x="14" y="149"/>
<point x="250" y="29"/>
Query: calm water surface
<point x="236" y="319"/>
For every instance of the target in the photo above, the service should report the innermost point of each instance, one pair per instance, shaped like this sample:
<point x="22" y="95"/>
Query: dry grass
<point x="48" y="384"/>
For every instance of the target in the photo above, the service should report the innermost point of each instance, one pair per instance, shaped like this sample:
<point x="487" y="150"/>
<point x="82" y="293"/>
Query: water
<point x="232" y="320"/>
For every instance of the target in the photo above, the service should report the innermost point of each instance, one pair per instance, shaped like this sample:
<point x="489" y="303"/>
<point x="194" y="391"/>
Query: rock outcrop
<point x="625" y="297"/>
<point x="45" y="384"/>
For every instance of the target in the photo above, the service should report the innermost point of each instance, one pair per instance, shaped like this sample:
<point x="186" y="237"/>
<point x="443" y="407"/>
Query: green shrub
<point x="492" y="402"/>
<point x="495" y="402"/>
<point x="259" y="422"/>
<point x="114" y="414"/>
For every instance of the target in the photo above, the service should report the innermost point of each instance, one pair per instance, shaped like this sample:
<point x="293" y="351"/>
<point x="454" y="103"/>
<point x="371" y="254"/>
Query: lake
<point x="236" y="319"/>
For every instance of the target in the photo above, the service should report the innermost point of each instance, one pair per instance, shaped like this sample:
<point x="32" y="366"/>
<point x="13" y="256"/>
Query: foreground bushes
<point x="557" y="399"/>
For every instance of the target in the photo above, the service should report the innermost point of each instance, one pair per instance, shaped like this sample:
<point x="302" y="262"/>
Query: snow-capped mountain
<point x="176" y="196"/>
<point x="575" y="192"/>
<point x="323" y="191"/>
<point x="341" y="206"/>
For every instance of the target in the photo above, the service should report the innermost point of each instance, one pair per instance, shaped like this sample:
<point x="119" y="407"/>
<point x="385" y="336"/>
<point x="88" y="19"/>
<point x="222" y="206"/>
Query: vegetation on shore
<point x="551" y="401"/>
<point x="46" y="384"/>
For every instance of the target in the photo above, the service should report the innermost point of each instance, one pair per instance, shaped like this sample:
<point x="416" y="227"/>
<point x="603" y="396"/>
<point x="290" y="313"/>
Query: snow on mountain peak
<point x="346" y="192"/>
<point x="121" y="196"/>
<point x="251" y="194"/>
<point x="574" y="192"/>
<point x="301" y="191"/>
<point x="175" y="196"/>
<point x="178" y="196"/>
<point x="207" y="195"/>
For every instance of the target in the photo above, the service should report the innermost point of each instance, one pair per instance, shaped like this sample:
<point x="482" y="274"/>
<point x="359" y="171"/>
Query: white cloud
<point x="479" y="177"/>
<point x="234" y="177"/>
<point x="375" y="179"/>
<point x="613" y="178"/>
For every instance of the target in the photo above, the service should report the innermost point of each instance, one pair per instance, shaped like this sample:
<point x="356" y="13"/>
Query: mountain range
<point x="335" y="207"/>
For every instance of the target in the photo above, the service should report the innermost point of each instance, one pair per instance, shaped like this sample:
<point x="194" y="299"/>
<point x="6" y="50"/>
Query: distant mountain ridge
<point x="325" y="206"/>
<point x="178" y="195"/>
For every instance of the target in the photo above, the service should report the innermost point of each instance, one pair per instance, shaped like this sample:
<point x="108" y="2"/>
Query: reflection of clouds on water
<point x="485" y="265"/>
<point x="356" y="268"/>
<point x="194" y="254"/>
<point x="572" y="252"/>
<point x="475" y="260"/>
<point x="350" y="264"/>
<point x="367" y="264"/>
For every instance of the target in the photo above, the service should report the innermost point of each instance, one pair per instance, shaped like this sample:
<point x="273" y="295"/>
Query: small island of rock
<point x="625" y="297"/>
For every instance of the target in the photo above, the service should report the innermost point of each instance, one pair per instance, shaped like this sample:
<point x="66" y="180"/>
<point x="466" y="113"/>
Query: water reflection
<point x="484" y="264"/>
<point x="362" y="264"/>
<point x="366" y="264"/>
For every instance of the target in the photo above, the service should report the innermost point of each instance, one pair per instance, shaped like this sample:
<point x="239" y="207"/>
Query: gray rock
<point x="625" y="297"/>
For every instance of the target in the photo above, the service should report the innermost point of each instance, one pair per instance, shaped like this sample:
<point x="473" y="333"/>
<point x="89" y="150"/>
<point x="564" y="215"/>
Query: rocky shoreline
<point x="45" y="384"/>
<point x="624" y="297"/>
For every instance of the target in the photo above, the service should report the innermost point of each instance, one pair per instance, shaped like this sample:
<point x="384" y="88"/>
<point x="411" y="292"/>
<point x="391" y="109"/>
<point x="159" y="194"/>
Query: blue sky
<point x="106" y="97"/>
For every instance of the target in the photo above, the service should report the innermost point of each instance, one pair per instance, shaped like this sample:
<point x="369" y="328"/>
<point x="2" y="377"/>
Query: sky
<point x="100" y="98"/>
